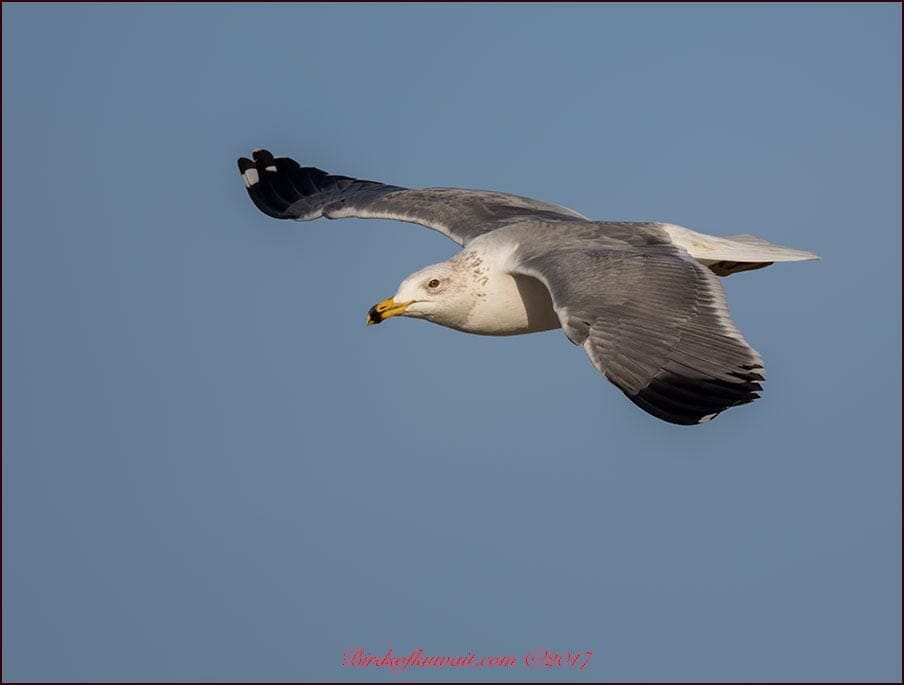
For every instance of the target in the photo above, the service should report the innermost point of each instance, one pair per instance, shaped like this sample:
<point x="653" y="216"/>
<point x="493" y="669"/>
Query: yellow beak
<point x="385" y="309"/>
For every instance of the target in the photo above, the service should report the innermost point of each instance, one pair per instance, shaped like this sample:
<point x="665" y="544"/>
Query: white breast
<point x="506" y="304"/>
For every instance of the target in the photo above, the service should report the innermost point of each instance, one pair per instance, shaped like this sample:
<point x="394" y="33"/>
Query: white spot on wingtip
<point x="251" y="177"/>
<point x="708" y="417"/>
<point x="270" y="168"/>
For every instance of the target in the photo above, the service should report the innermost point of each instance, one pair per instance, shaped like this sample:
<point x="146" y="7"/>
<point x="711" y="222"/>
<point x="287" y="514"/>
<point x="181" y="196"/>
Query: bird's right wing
<point x="283" y="189"/>
<point x="655" y="323"/>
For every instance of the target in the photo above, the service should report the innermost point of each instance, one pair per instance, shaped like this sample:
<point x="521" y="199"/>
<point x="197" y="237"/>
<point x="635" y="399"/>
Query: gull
<point x="643" y="299"/>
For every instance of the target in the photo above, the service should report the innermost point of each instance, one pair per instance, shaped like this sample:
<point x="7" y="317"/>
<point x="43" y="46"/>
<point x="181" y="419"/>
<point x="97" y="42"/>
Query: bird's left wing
<point x="654" y="322"/>
<point x="283" y="189"/>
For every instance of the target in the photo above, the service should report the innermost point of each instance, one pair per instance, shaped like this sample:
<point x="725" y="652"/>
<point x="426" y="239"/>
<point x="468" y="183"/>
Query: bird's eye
<point x="434" y="283"/>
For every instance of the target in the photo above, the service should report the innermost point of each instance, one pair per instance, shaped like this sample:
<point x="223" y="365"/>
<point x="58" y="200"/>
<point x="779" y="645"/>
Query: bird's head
<point x="438" y="293"/>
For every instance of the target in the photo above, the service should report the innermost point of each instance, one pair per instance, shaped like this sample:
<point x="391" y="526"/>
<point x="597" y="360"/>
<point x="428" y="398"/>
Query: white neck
<point x="505" y="304"/>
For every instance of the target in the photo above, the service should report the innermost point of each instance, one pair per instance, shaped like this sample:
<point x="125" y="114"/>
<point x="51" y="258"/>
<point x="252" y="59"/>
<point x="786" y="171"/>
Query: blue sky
<point x="213" y="470"/>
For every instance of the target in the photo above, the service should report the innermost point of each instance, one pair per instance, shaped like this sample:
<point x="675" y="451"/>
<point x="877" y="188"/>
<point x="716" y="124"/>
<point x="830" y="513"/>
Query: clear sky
<point x="213" y="470"/>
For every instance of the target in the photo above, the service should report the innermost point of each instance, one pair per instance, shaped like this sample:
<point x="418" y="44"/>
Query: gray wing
<point x="655" y="323"/>
<point x="283" y="189"/>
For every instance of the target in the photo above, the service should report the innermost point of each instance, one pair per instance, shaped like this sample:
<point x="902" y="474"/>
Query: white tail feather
<point x="709" y="249"/>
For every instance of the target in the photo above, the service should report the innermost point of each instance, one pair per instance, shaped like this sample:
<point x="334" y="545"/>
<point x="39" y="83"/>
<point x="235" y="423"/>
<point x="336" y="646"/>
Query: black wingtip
<point x="278" y="184"/>
<point x="275" y="184"/>
<point x="691" y="401"/>
<point x="258" y="176"/>
<point x="261" y="155"/>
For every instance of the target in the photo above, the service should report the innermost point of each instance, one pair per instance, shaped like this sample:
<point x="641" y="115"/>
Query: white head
<point x="439" y="293"/>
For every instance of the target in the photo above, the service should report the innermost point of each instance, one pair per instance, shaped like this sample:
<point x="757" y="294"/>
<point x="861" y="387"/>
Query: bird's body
<point x="643" y="299"/>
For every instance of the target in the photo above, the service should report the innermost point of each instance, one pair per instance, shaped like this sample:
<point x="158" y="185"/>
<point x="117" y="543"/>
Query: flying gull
<point x="642" y="299"/>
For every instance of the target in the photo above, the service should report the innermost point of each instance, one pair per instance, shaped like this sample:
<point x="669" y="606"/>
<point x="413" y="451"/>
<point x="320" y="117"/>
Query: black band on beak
<point x="373" y="316"/>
